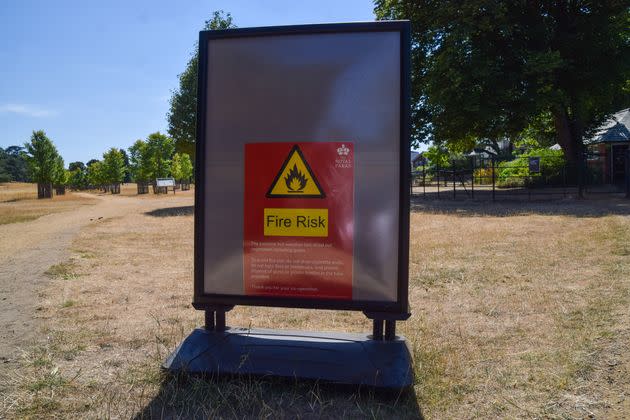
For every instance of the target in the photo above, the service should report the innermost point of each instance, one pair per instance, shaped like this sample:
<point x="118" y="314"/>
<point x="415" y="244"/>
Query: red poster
<point x="299" y="220"/>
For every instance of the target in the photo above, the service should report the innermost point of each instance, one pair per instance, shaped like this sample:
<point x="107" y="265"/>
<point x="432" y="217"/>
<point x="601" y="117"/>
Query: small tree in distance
<point x="187" y="171"/>
<point x="176" y="167"/>
<point x="61" y="177"/>
<point x="42" y="158"/>
<point x="159" y="150"/>
<point x="94" y="174"/>
<point x="113" y="168"/>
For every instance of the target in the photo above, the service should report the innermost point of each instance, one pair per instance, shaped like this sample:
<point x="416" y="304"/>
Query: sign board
<point x="165" y="182"/>
<point x="534" y="165"/>
<point x="302" y="168"/>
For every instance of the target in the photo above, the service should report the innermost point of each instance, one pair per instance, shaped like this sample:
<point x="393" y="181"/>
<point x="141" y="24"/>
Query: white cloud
<point x="27" y="110"/>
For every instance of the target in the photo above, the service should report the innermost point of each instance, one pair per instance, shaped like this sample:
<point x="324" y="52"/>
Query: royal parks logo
<point x="344" y="157"/>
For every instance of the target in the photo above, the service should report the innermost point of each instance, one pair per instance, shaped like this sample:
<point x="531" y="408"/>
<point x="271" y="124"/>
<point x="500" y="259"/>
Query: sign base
<point x="341" y="358"/>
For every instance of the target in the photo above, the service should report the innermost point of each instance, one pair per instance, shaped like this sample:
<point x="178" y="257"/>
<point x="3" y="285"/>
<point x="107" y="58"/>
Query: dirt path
<point x="28" y="249"/>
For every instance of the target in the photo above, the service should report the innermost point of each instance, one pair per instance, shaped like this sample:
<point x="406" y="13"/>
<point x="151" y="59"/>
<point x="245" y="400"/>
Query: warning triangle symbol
<point x="295" y="179"/>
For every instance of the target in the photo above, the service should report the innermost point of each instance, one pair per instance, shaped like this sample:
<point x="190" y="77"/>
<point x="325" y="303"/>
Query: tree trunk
<point x="44" y="190"/>
<point x="571" y="142"/>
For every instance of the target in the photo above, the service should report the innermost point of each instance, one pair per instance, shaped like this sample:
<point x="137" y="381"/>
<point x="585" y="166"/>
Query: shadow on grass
<point x="172" y="211"/>
<point x="194" y="396"/>
<point x="565" y="207"/>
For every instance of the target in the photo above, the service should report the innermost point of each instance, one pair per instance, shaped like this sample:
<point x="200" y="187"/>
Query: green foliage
<point x="77" y="178"/>
<point x="490" y="69"/>
<point x="183" y="103"/>
<point x="127" y="177"/>
<point x="516" y="172"/>
<point x="151" y="159"/>
<point x="94" y="174"/>
<point x="437" y="155"/>
<point x="540" y="133"/>
<point x="60" y="177"/>
<point x="176" y="167"/>
<point x="113" y="166"/>
<point x="76" y="165"/>
<point x="43" y="159"/>
<point x="13" y="165"/>
<point x="187" y="167"/>
<point x="139" y="162"/>
<point x="159" y="150"/>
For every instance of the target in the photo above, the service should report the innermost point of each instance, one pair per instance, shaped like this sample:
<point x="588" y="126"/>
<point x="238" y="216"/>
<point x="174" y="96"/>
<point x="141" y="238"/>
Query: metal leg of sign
<point x="215" y="318"/>
<point x="209" y="320"/>
<point x="390" y="330"/>
<point x="220" y="324"/>
<point x="377" y="330"/>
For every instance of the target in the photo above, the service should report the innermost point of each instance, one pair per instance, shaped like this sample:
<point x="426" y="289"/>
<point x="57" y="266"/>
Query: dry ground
<point x="19" y="203"/>
<point x="519" y="310"/>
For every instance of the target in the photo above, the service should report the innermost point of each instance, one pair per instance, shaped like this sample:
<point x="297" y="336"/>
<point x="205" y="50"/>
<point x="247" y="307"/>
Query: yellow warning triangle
<point x="295" y="179"/>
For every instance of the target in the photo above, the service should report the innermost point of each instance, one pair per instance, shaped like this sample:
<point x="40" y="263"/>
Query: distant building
<point x="417" y="160"/>
<point x="608" y="147"/>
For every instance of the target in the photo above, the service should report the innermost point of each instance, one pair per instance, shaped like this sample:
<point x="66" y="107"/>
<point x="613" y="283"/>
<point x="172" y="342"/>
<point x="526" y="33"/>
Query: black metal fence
<point x="530" y="179"/>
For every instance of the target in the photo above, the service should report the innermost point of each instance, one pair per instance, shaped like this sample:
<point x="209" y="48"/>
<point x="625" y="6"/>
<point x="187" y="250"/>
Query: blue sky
<point x="99" y="74"/>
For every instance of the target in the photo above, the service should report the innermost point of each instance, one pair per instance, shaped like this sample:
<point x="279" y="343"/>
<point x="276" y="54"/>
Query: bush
<point x="483" y="176"/>
<point x="515" y="173"/>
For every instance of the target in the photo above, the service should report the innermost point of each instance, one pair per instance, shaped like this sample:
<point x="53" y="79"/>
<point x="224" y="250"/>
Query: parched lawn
<point x="519" y="311"/>
<point x="19" y="203"/>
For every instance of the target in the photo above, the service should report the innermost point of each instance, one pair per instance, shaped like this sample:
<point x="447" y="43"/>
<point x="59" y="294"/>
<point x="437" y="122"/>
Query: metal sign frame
<point x="381" y="309"/>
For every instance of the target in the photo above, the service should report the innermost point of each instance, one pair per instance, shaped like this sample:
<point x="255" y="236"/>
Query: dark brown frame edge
<point x="378" y="309"/>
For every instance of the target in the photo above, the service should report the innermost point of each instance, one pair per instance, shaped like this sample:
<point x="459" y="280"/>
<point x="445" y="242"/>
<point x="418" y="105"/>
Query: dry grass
<point x="514" y="315"/>
<point x="16" y="191"/>
<point x="19" y="203"/>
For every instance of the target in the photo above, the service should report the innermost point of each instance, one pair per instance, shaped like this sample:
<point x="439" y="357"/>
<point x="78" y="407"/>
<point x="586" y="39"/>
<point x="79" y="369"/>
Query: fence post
<point x="493" y="178"/>
<point x="581" y="167"/>
<point x="437" y="169"/>
<point x="424" y="181"/>
<point x="453" y="176"/>
<point x="564" y="180"/>
<point x="472" y="177"/>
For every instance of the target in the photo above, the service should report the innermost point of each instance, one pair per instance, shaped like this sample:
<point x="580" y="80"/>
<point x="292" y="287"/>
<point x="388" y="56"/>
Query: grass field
<point x="19" y="203"/>
<point x="519" y="311"/>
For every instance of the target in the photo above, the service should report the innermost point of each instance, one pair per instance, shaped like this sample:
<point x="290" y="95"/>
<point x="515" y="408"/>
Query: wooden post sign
<point x="302" y="198"/>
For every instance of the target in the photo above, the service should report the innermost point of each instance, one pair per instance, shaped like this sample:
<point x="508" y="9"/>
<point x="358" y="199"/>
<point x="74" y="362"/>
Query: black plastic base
<point x="341" y="358"/>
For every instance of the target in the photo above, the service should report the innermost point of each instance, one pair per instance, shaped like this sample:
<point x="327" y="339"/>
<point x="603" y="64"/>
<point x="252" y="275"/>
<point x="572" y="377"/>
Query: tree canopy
<point x="113" y="166"/>
<point x="159" y="151"/>
<point x="13" y="166"/>
<point x="489" y="69"/>
<point x="44" y="162"/>
<point x="182" y="115"/>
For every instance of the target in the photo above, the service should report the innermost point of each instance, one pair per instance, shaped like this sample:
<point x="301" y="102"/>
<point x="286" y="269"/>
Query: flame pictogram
<point x="295" y="180"/>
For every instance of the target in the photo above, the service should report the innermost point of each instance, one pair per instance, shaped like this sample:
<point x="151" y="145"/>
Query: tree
<point x="13" y="166"/>
<point x="187" y="167"/>
<point x="43" y="163"/>
<point x="127" y="177"/>
<point x="113" y="167"/>
<point x="94" y="174"/>
<point x="139" y="162"/>
<point x="182" y="115"/>
<point x="76" y="165"/>
<point x="488" y="69"/>
<point x="176" y="167"/>
<point x="77" y="178"/>
<point x="159" y="150"/>
<point x="91" y="161"/>
<point x="5" y="176"/>
<point x="59" y="178"/>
